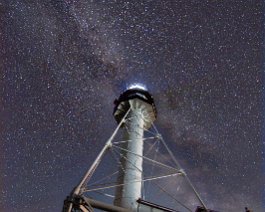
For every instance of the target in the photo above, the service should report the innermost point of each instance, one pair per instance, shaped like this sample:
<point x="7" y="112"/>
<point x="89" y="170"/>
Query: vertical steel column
<point x="141" y="117"/>
<point x="131" y="175"/>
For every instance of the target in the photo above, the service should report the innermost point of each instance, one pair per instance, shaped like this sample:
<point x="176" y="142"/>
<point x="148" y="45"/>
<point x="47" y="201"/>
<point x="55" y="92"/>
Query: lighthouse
<point x="142" y="113"/>
<point x="135" y="112"/>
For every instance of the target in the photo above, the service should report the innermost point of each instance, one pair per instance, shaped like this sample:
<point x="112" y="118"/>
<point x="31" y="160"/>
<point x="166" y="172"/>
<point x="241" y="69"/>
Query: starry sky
<point x="63" y="63"/>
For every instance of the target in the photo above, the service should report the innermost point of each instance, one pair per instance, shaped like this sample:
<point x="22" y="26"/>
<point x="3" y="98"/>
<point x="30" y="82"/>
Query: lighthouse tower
<point x="135" y="113"/>
<point x="142" y="113"/>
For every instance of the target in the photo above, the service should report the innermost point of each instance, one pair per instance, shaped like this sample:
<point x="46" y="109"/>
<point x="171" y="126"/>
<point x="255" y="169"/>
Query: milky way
<point x="64" y="62"/>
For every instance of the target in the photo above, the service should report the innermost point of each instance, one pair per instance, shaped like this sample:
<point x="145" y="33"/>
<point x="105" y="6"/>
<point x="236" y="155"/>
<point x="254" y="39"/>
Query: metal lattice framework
<point x="78" y="200"/>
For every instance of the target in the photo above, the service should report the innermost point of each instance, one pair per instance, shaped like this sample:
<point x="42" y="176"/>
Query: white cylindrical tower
<point x="142" y="114"/>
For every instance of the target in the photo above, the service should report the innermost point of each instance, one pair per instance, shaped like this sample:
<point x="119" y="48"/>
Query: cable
<point x="96" y="182"/>
<point x="125" y="141"/>
<point x="162" y="189"/>
<point x="178" y="165"/>
<point x="156" y="162"/>
<point x="143" y="180"/>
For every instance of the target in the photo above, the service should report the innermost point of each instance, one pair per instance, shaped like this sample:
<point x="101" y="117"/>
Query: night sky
<point x="63" y="62"/>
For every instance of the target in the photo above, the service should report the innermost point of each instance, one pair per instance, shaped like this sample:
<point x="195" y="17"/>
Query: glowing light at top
<point x="137" y="86"/>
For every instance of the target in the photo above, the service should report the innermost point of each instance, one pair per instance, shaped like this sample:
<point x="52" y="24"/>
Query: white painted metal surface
<point x="130" y="174"/>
